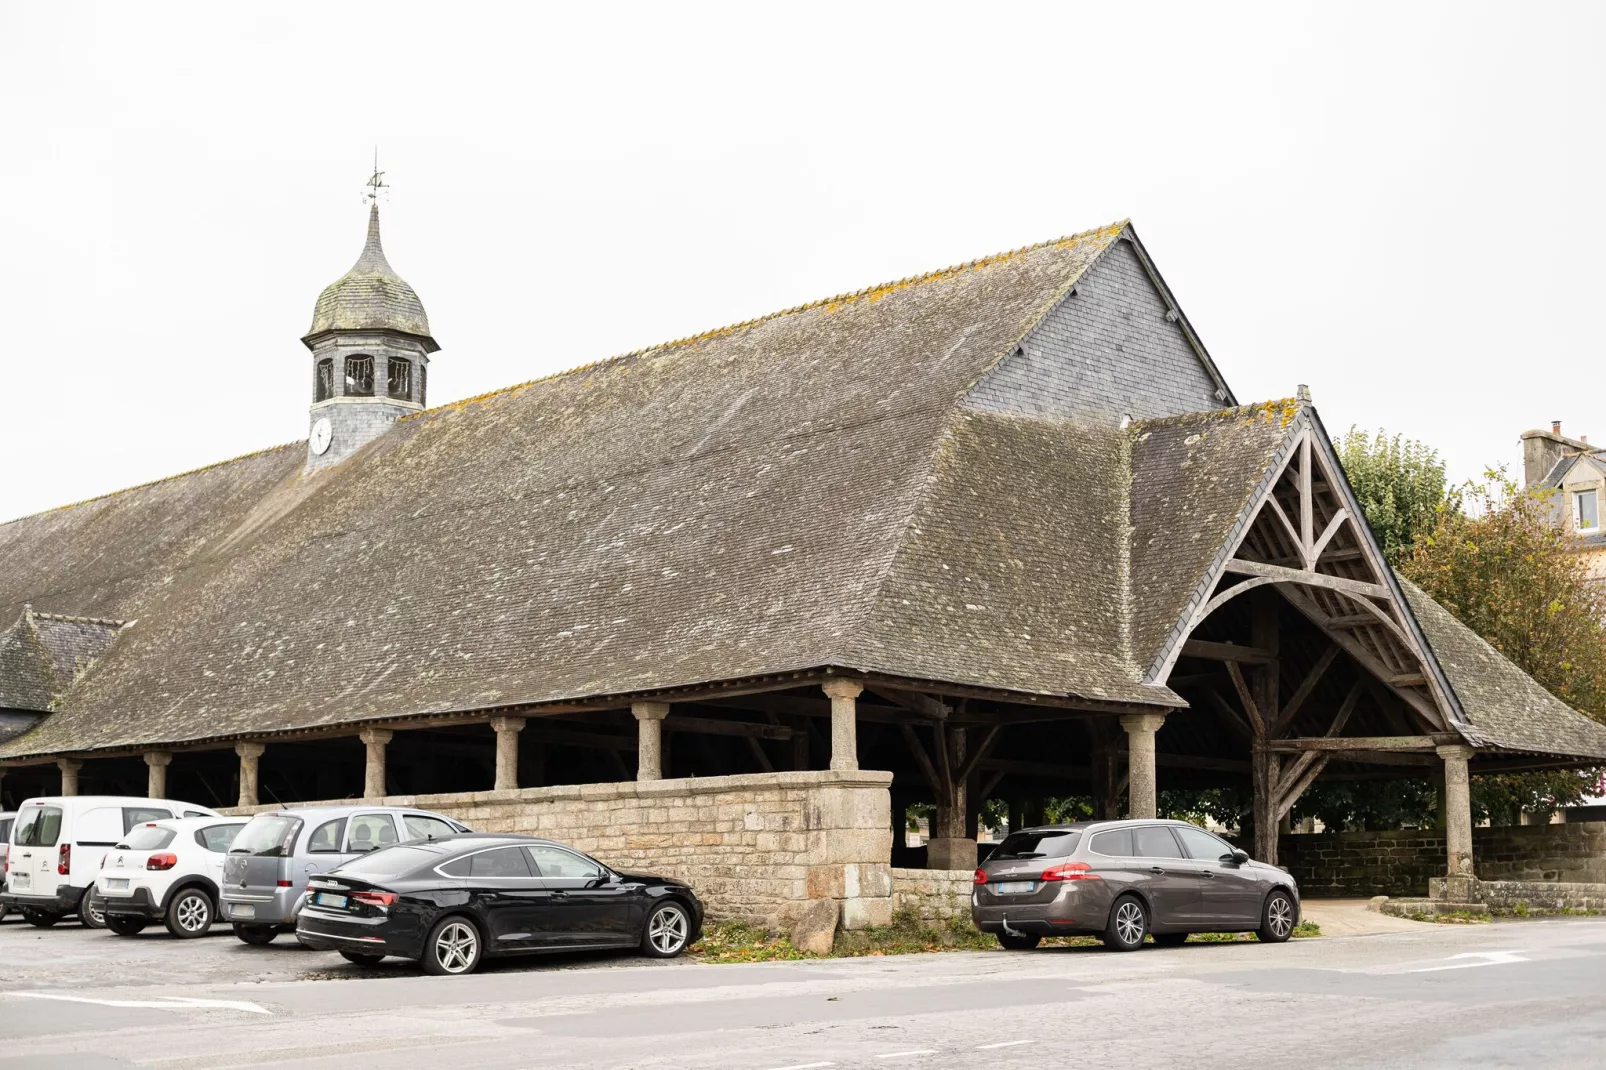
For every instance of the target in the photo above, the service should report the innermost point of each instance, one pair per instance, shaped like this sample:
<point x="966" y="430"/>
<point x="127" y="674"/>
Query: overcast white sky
<point x="1399" y="204"/>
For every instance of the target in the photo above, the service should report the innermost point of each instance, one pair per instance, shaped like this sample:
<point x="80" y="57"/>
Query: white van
<point x="57" y="845"/>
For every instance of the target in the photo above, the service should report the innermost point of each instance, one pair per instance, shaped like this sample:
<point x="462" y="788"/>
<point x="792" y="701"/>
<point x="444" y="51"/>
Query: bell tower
<point x="370" y="346"/>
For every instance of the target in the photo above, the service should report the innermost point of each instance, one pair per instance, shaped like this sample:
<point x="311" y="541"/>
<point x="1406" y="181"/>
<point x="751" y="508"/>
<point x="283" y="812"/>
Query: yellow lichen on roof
<point x="829" y="305"/>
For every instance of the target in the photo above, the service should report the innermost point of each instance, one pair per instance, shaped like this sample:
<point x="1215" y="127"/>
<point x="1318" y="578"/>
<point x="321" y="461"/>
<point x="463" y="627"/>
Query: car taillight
<point x="981" y="876"/>
<point x="163" y="860"/>
<point x="284" y="884"/>
<point x="382" y="900"/>
<point x="1070" y="871"/>
<point x="64" y="859"/>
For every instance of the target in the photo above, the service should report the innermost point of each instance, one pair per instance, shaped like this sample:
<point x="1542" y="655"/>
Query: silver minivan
<point x="265" y="875"/>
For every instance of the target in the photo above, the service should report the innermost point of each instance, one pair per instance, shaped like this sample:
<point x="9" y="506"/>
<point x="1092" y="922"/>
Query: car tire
<point x="1128" y="925"/>
<point x="454" y="947"/>
<point x="360" y="959"/>
<point x="1170" y="939"/>
<point x="91" y="910"/>
<point x="667" y="931"/>
<point x="41" y="919"/>
<point x="190" y="914"/>
<point x="1278" y="917"/>
<point x="1021" y="942"/>
<point x="125" y="924"/>
<point x="256" y="935"/>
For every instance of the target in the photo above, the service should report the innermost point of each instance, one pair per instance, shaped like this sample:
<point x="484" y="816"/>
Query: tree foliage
<point x="1400" y="484"/>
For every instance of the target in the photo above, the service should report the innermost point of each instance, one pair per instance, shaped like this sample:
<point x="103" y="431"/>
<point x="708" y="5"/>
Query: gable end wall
<point x="1104" y="352"/>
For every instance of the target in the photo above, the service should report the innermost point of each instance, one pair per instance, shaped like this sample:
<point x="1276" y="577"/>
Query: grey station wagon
<point x="265" y="874"/>
<point x="1125" y="880"/>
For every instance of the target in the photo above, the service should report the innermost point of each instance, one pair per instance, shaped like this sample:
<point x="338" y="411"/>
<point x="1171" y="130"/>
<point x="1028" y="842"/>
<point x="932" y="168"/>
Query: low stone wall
<point x="1403" y="862"/>
<point x="756" y="847"/>
<point x="934" y="894"/>
<point x="1541" y="896"/>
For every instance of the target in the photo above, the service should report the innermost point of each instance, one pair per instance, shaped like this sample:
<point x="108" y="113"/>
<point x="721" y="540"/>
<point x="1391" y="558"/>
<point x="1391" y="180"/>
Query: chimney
<point x="1555" y="427"/>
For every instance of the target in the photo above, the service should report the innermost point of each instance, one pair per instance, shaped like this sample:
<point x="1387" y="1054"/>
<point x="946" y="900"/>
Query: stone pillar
<point x="650" y="739"/>
<point x="69" y="774"/>
<point x="1141" y="793"/>
<point x="249" y="754"/>
<point x="373" y="781"/>
<point x="507" y="751"/>
<point x="156" y="762"/>
<point x="1460" y="883"/>
<point x="844" y="696"/>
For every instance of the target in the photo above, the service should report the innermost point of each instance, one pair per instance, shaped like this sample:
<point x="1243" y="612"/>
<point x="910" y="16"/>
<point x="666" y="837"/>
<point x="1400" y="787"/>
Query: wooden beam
<point x="714" y="727"/>
<point x="923" y="760"/>
<point x="1298" y="784"/>
<point x="1228" y="652"/>
<point x="1353" y="743"/>
<point x="1230" y="714"/>
<point x="567" y="738"/>
<point x="757" y="748"/>
<point x="1306" y="686"/>
<point x="922" y="704"/>
<point x="1307" y="503"/>
<point x="1409" y="679"/>
<point x="1340" y="719"/>
<point x="978" y="753"/>
<point x="1308" y="578"/>
<point x="1257" y="723"/>
<point x="1327" y="535"/>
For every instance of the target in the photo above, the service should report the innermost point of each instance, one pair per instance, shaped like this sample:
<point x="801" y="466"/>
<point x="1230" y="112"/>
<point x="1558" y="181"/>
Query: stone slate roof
<point x="720" y="507"/>
<point x="43" y="654"/>
<point x="1506" y="707"/>
<point x="371" y="296"/>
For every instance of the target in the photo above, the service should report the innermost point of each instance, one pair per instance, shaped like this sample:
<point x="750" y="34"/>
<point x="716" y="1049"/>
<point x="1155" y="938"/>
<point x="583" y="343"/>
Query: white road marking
<point x="804" y="1066"/>
<point x="1488" y="958"/>
<point x="1001" y="1044"/>
<point x="906" y="1054"/>
<point x="167" y="1002"/>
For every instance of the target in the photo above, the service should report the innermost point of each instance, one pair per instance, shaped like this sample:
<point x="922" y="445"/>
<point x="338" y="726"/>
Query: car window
<point x="458" y="867"/>
<point x="39" y="826"/>
<point x="138" y="815"/>
<point x="325" y="839"/>
<point x="420" y="827"/>
<point x="198" y="813"/>
<point x="391" y="862"/>
<point x="217" y="838"/>
<point x="555" y="863"/>
<point x="1155" y="841"/>
<point x="370" y="831"/>
<point x="5" y="830"/>
<point x="1042" y="843"/>
<point x="1116" y="843"/>
<point x="149" y="838"/>
<point x="267" y="835"/>
<point x="1201" y="844"/>
<point x="101" y="825"/>
<point x="502" y="862"/>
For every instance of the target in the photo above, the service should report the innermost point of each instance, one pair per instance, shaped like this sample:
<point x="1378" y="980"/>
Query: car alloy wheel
<point x="92" y="911"/>
<point x="457" y="947"/>
<point x="1277" y="923"/>
<point x="667" y="930"/>
<point x="1128" y="925"/>
<point x="190" y="915"/>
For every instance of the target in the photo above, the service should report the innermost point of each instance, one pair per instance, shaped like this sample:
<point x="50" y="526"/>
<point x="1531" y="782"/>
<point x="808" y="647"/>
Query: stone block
<point x="863" y="913"/>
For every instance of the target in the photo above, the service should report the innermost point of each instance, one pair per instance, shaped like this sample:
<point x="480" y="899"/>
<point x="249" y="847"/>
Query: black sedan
<point x="449" y="903"/>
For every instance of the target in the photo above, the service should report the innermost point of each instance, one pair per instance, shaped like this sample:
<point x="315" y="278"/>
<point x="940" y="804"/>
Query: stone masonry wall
<point x="934" y="894"/>
<point x="1403" y="862"/>
<point x="755" y="847"/>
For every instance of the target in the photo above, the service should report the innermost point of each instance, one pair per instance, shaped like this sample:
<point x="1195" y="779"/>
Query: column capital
<point x="158" y="758"/>
<point x="250" y="750"/>
<point x="841" y="688"/>
<point x="1456" y="752"/>
<point x="650" y="711"/>
<point x="371" y="736"/>
<point x="69" y="765"/>
<point x="1142" y="722"/>
<point x="507" y="724"/>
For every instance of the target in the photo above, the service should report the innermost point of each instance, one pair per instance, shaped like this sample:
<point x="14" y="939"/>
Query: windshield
<point x="268" y="835"/>
<point x="1042" y="843"/>
<point x="388" y="863"/>
<point x="38" y="826"/>
<point x="148" y="838"/>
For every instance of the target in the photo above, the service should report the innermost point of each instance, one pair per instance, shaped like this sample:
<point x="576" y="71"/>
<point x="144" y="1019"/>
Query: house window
<point x="324" y="388"/>
<point x="423" y="382"/>
<point x="401" y="379"/>
<point x="1586" y="511"/>
<point x="360" y="377"/>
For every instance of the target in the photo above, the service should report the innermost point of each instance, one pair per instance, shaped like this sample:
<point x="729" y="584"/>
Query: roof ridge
<point x="64" y="618"/>
<point x="1287" y="408"/>
<point x="874" y="293"/>
<point x="152" y="483"/>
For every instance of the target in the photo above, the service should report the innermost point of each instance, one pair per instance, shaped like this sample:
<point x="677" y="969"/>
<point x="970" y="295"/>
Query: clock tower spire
<point x="370" y="346"/>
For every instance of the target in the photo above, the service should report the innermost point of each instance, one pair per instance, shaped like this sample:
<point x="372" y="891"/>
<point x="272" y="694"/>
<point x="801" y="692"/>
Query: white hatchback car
<point x="167" y="871"/>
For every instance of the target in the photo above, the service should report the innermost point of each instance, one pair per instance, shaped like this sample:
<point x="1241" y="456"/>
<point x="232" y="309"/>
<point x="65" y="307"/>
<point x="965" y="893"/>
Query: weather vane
<point x="376" y="183"/>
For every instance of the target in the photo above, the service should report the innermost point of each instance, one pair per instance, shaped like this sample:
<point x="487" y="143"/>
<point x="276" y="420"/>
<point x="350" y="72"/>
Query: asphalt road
<point x="1512" y="994"/>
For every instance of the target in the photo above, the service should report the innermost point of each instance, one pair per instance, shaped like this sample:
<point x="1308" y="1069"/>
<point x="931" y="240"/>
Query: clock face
<point x="322" y="433"/>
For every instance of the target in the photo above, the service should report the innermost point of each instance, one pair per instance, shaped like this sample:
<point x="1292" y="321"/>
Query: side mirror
<point x="1237" y="857"/>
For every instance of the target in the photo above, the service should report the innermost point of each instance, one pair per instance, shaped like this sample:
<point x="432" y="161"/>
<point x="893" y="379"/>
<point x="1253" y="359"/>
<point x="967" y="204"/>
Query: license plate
<point x="329" y="899"/>
<point x="20" y="879"/>
<point x="242" y="910"/>
<point x="116" y="884"/>
<point x="1015" y="887"/>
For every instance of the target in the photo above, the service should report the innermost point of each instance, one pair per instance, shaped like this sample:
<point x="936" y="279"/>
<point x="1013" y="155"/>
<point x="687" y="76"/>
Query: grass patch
<point x="1456" y="917"/>
<point x="731" y="941"/>
<point x="1306" y="929"/>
